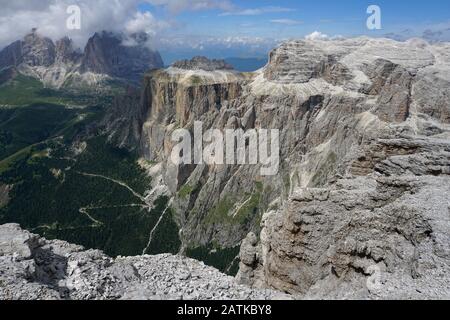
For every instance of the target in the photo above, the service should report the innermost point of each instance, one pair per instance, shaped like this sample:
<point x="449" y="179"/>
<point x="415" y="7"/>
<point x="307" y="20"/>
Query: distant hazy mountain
<point x="247" y="64"/>
<point x="430" y="35"/>
<point x="105" y="54"/>
<point x="60" y="64"/>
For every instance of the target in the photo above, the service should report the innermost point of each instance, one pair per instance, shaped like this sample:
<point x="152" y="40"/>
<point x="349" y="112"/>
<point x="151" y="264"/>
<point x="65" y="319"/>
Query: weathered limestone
<point x="348" y="111"/>
<point x="34" y="268"/>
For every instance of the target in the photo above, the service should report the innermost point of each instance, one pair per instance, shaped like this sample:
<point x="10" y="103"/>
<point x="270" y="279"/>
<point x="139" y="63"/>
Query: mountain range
<point x="358" y="209"/>
<point x="58" y="64"/>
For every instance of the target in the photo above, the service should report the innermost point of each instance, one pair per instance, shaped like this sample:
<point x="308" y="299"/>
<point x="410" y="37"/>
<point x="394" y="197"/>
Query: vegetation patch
<point x="325" y="170"/>
<point x="186" y="191"/>
<point x="166" y="237"/>
<point x="227" y="212"/>
<point x="220" y="213"/>
<point x="94" y="198"/>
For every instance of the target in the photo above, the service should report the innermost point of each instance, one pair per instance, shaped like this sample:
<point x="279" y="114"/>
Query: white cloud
<point x="316" y="35"/>
<point x="18" y="17"/>
<point x="288" y="22"/>
<point x="145" y="22"/>
<point x="256" y="11"/>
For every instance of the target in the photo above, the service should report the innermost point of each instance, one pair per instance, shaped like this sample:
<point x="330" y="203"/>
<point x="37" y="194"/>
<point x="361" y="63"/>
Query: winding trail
<point x="85" y="212"/>
<point x="148" y="201"/>
<point x="123" y="184"/>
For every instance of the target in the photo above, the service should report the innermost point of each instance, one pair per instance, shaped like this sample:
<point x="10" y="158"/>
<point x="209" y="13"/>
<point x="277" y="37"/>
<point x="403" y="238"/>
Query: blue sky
<point x="289" y="18"/>
<point x="224" y="28"/>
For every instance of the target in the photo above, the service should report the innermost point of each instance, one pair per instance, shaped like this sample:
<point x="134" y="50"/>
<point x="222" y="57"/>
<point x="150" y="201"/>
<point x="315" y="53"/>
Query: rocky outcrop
<point x="33" y="268"/>
<point x="33" y="51"/>
<point x="65" y="52"/>
<point x="61" y="65"/>
<point x="11" y="55"/>
<point x="377" y="227"/>
<point x="202" y="63"/>
<point x="378" y="235"/>
<point x="299" y="62"/>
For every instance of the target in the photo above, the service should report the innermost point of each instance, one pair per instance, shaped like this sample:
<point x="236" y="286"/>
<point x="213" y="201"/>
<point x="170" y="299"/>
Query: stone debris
<point x="34" y="268"/>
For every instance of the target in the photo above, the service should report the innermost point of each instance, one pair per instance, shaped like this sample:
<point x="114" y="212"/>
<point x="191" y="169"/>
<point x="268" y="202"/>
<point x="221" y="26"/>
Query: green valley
<point x="65" y="181"/>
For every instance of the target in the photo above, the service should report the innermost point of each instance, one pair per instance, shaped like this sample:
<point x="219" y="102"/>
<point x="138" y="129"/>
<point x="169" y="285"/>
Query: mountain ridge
<point x="59" y="64"/>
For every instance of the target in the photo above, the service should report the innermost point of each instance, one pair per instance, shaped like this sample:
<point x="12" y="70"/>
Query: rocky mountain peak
<point x="106" y="53"/>
<point x="202" y="63"/>
<point x="65" y="51"/>
<point x="38" y="50"/>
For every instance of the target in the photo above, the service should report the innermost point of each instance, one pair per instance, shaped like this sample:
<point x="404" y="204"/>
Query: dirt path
<point x="123" y="184"/>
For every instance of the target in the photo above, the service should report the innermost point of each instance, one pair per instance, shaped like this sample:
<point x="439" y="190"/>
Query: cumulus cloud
<point x="316" y="35"/>
<point x="18" y="17"/>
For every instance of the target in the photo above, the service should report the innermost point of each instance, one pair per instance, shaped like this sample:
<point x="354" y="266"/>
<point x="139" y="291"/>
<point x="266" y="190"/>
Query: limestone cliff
<point x="379" y="228"/>
<point x="353" y="115"/>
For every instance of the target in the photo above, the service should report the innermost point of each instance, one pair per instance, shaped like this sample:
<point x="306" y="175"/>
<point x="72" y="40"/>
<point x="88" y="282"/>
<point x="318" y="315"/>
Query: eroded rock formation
<point x="379" y="227"/>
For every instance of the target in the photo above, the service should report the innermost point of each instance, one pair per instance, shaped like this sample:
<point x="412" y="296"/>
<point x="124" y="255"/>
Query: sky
<point x="223" y="28"/>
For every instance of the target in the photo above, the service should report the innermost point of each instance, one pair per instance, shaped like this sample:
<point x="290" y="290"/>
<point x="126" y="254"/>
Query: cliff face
<point x="380" y="228"/>
<point x="381" y="232"/>
<point x="354" y="118"/>
<point x="329" y="99"/>
<point x="105" y="54"/>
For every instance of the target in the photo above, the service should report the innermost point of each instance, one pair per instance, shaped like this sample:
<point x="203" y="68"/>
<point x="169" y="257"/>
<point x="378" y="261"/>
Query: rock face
<point x="347" y="110"/>
<point x="38" y="51"/>
<point x="378" y="229"/>
<point x="33" y="51"/>
<point x="65" y="52"/>
<point x="379" y="235"/>
<point x="202" y="63"/>
<point x="11" y="55"/>
<point x="33" y="268"/>
<point x="105" y="54"/>
<point x="60" y="64"/>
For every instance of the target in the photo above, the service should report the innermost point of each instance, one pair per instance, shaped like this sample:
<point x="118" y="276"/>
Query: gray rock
<point x="33" y="268"/>
<point x="57" y="65"/>
<point x="105" y="54"/>
<point x="329" y="99"/>
<point x="377" y="235"/>
<point x="202" y="63"/>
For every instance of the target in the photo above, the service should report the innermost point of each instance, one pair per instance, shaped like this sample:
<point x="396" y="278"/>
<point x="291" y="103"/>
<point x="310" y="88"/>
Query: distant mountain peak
<point x="105" y="54"/>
